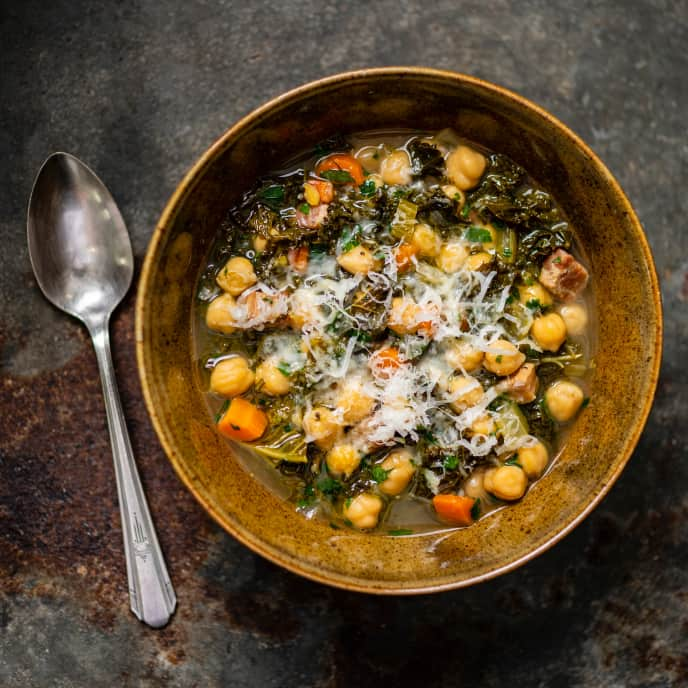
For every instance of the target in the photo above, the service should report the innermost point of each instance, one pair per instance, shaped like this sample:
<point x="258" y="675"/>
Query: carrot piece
<point x="385" y="361"/>
<point x="324" y="188"/>
<point x="454" y="509"/>
<point x="345" y="162"/>
<point x="242" y="421"/>
<point x="403" y="256"/>
<point x="427" y="327"/>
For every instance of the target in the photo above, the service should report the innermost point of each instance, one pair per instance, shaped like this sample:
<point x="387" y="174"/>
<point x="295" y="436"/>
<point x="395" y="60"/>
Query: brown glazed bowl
<point x="625" y="292"/>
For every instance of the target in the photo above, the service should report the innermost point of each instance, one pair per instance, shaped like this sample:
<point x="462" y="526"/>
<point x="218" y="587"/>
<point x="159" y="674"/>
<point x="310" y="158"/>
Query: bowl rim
<point x="207" y="158"/>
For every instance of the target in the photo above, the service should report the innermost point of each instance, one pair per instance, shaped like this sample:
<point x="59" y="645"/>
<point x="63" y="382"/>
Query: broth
<point x="396" y="331"/>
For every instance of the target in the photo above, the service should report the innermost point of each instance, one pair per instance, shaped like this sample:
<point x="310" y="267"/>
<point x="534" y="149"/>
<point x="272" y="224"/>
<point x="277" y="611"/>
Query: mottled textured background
<point x="138" y="89"/>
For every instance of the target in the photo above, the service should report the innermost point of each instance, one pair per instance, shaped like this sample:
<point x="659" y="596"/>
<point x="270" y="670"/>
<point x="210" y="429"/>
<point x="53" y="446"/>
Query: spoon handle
<point x="151" y="594"/>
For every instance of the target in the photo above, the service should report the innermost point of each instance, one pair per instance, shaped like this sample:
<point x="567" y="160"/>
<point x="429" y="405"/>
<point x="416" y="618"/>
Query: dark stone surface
<point x="138" y="90"/>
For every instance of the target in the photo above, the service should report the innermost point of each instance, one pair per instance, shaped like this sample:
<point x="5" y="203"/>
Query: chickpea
<point x="575" y="317"/>
<point x="465" y="166"/>
<point x="275" y="382"/>
<point x="401" y="469"/>
<point x="259" y="243"/>
<point x="455" y="194"/>
<point x="549" y="331"/>
<point x="342" y="459"/>
<point x="369" y="157"/>
<point x="465" y="392"/>
<point x="323" y="426"/>
<point x="477" y="261"/>
<point x="506" y="482"/>
<point x="563" y="399"/>
<point x="236" y="276"/>
<point x="452" y="256"/>
<point x="488" y="482"/>
<point x="403" y="316"/>
<point x="354" y="403"/>
<point x="358" y="260"/>
<point x="302" y="309"/>
<point x="231" y="377"/>
<point x="504" y="358"/>
<point x="219" y="316"/>
<point x="484" y="425"/>
<point x="396" y="168"/>
<point x="475" y="485"/>
<point x="426" y="240"/>
<point x="534" y="292"/>
<point x="533" y="459"/>
<point x="363" y="510"/>
<point x="461" y="355"/>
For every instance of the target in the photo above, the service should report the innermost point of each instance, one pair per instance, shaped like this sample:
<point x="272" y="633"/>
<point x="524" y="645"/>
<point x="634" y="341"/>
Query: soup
<point x="397" y="325"/>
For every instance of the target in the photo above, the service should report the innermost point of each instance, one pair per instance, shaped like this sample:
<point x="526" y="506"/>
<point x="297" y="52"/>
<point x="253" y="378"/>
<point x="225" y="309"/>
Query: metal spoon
<point x="81" y="256"/>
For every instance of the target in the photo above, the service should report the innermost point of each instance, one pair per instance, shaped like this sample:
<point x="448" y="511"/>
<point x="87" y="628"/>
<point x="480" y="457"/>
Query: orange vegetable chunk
<point x="342" y="161"/>
<point x="454" y="509"/>
<point x="242" y="421"/>
<point x="403" y="256"/>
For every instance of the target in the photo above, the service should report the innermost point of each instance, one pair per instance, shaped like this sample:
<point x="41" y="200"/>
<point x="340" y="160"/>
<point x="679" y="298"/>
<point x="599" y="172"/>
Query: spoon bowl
<point x="81" y="257"/>
<point x="84" y="264"/>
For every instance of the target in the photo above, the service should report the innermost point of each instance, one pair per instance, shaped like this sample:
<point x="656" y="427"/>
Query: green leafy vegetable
<point x="379" y="474"/>
<point x="221" y="412"/>
<point x="305" y="208"/>
<point x="404" y="221"/>
<point x="451" y="463"/>
<point x="367" y="188"/>
<point x="284" y="368"/>
<point x="400" y="531"/>
<point x="272" y="195"/>
<point x="534" y="304"/>
<point x="280" y="445"/>
<point x="330" y="486"/>
<point x="477" y="235"/>
<point x="351" y="237"/>
<point x="337" y="176"/>
<point x="476" y="509"/>
<point x="426" y="159"/>
<point x="513" y="461"/>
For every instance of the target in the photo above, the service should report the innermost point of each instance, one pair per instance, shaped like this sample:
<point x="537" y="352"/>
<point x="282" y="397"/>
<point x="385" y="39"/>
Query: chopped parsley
<point x="350" y="238"/>
<point x="451" y="463"/>
<point x="379" y="474"/>
<point x="513" y="461"/>
<point x="400" y="531"/>
<point x="534" y="304"/>
<point x="284" y="368"/>
<point x="477" y="235"/>
<point x="337" y="176"/>
<point x="586" y="401"/>
<point x="465" y="210"/>
<point x="235" y="427"/>
<point x="499" y="358"/>
<point x="305" y="208"/>
<point x="426" y="434"/>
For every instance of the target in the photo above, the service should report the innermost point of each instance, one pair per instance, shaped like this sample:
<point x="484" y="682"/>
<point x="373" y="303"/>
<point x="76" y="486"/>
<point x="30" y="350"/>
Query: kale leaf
<point x="426" y="160"/>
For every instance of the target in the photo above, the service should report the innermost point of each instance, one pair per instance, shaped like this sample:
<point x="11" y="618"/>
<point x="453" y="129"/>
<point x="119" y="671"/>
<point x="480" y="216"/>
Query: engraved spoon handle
<point x="150" y="590"/>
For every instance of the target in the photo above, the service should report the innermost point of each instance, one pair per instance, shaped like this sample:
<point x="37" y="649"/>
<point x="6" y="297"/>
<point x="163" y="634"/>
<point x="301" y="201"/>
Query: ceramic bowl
<point x="625" y="293"/>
